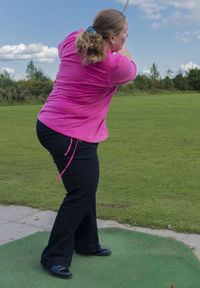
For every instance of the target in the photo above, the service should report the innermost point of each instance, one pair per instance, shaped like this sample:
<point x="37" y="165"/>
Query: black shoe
<point x="102" y="252"/>
<point x="58" y="271"/>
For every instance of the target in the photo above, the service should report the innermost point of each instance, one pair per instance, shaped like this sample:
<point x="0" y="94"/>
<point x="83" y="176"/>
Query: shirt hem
<point x="73" y="135"/>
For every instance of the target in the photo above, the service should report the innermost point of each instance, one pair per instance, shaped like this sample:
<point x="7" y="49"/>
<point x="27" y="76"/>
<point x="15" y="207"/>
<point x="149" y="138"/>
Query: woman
<point x="72" y="123"/>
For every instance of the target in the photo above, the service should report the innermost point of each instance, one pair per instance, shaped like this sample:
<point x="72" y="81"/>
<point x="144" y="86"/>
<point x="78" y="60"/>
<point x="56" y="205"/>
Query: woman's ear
<point x="111" y="38"/>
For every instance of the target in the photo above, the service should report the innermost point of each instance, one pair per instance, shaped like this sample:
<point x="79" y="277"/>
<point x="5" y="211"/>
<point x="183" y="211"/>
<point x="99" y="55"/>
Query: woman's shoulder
<point x="68" y="43"/>
<point x="72" y="36"/>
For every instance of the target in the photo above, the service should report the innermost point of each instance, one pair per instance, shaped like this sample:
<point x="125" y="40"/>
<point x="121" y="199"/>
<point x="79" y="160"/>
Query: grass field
<point x="150" y="164"/>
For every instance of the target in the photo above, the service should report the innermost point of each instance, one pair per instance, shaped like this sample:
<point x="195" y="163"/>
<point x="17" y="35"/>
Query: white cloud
<point x="146" y="71"/>
<point x="183" y="37"/>
<point x="190" y="65"/>
<point x="188" y="36"/>
<point x="155" y="25"/>
<point x="12" y="72"/>
<point x="7" y="69"/>
<point x="35" y="51"/>
<point x="155" y="16"/>
<point x="169" y="12"/>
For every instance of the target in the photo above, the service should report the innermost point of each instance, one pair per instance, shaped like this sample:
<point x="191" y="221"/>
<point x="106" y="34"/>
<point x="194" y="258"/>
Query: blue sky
<point x="166" y="32"/>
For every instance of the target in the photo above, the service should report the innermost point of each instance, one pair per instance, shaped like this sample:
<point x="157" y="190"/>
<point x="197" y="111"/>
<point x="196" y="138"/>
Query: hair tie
<point x="91" y="30"/>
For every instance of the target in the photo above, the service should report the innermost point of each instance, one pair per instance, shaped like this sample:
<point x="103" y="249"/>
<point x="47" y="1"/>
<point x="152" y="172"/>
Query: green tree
<point x="170" y="73"/>
<point x="168" y="83"/>
<point x="142" y="82"/>
<point x="32" y="72"/>
<point x="154" y="73"/>
<point x="193" y="79"/>
<point x="37" y="86"/>
<point x="155" y="76"/>
<point x="8" y="87"/>
<point x="34" y="89"/>
<point x="180" y="82"/>
<point x="6" y="80"/>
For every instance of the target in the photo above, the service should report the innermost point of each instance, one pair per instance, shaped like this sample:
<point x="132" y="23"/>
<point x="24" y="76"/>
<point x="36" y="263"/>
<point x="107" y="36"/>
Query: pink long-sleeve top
<point x="80" y="99"/>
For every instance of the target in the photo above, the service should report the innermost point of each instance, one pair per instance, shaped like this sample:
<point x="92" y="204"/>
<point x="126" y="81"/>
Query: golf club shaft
<point x="125" y="7"/>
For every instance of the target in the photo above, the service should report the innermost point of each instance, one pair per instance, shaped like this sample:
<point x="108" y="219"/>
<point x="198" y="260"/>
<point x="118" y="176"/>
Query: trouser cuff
<point x="86" y="249"/>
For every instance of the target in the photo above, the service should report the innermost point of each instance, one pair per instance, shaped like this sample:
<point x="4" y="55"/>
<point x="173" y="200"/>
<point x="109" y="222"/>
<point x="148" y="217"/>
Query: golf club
<point x="125" y="7"/>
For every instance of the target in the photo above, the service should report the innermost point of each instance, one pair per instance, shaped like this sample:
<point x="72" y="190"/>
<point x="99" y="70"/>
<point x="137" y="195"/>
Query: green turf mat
<point x="138" y="260"/>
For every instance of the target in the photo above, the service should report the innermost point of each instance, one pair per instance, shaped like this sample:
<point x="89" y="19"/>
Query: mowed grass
<point x="150" y="164"/>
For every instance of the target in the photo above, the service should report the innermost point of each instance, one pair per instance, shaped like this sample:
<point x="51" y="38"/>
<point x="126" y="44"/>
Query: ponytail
<point x="91" y="46"/>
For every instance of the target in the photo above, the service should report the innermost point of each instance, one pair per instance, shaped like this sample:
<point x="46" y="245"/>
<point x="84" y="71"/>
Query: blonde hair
<point x="92" y="47"/>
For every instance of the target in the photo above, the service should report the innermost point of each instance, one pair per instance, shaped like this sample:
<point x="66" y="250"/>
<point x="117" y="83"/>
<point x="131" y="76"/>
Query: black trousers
<point x="75" y="227"/>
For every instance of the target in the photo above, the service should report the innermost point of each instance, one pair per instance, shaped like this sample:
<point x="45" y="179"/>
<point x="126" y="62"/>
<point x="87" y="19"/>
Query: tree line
<point x="34" y="88"/>
<point x="153" y="83"/>
<point x="37" y="86"/>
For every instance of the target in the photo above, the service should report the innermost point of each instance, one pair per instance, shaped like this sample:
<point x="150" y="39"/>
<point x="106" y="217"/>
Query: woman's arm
<point x="124" y="51"/>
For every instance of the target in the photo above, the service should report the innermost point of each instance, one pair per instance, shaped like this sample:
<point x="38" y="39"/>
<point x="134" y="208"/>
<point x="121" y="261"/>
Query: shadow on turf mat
<point x="138" y="260"/>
